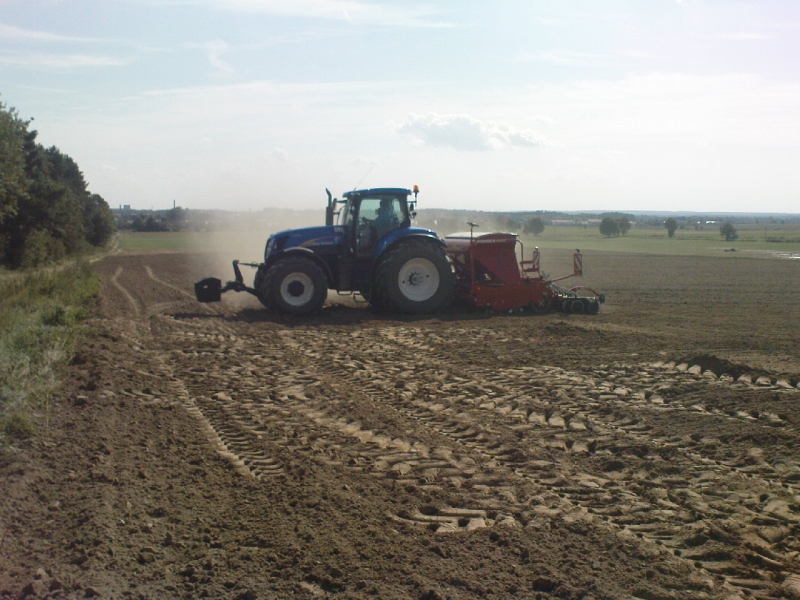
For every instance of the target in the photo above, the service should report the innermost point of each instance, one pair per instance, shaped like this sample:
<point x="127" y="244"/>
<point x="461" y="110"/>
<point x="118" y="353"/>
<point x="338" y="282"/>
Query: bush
<point x="40" y="248"/>
<point x="728" y="231"/>
<point x="534" y="226"/>
<point x="609" y="227"/>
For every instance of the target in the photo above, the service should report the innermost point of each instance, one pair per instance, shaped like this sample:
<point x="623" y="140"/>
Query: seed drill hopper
<point x="489" y="275"/>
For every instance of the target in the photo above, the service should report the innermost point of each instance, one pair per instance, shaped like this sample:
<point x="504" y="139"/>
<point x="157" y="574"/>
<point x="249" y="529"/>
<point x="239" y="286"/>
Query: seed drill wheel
<point x="576" y="306"/>
<point x="294" y="286"/>
<point x="592" y="307"/>
<point x="416" y="277"/>
<point x="541" y="307"/>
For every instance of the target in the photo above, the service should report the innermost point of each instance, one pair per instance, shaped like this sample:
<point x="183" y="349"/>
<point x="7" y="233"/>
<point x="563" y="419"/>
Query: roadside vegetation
<point x="40" y="322"/>
<point x="46" y="210"/>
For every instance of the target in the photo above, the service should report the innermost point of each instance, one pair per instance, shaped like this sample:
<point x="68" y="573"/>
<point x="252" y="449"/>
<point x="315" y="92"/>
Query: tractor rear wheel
<point x="294" y="286"/>
<point x="375" y="298"/>
<point x="416" y="278"/>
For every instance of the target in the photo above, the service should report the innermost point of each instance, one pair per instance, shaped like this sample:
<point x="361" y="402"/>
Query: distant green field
<point x="642" y="241"/>
<point x="180" y="240"/>
<point x="685" y="243"/>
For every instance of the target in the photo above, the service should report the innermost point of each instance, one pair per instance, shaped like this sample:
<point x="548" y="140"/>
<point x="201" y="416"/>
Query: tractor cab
<point x="371" y="220"/>
<point x="369" y="215"/>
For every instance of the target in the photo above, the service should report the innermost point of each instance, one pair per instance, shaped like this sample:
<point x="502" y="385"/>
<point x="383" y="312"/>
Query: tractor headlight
<point x="270" y="244"/>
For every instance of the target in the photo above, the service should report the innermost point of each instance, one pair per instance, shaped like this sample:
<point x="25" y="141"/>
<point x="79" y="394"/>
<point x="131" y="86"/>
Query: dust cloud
<point x="242" y="236"/>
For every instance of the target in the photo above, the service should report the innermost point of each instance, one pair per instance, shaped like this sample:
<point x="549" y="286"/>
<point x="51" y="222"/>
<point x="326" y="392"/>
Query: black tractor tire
<point x="259" y="283"/>
<point x="592" y="307"/>
<point x="375" y="298"/>
<point x="294" y="286"/>
<point x="416" y="277"/>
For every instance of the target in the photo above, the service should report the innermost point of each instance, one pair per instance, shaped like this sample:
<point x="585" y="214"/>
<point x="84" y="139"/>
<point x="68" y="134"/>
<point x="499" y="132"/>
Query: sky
<point x="632" y="105"/>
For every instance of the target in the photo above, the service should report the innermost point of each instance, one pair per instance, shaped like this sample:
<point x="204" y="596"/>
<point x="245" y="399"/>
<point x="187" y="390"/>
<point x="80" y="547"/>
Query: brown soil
<point x="220" y="451"/>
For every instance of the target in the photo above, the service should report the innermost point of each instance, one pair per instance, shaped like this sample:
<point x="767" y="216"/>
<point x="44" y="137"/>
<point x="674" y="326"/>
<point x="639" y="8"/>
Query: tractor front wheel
<point x="294" y="286"/>
<point x="416" y="278"/>
<point x="259" y="283"/>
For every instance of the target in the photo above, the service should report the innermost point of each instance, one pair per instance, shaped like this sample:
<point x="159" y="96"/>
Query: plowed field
<point x="651" y="451"/>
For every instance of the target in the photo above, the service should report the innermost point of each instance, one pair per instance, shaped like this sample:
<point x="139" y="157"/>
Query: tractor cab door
<point x="376" y="217"/>
<point x="366" y="221"/>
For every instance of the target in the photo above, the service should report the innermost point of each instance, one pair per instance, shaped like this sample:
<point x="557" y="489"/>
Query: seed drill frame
<point x="490" y="276"/>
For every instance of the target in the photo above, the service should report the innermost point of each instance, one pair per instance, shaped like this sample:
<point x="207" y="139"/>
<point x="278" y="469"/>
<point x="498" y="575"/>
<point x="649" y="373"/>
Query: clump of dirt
<point x="721" y="366"/>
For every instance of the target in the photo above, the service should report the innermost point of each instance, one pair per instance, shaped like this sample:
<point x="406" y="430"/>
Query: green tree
<point x="98" y="220"/>
<point x="609" y="227"/>
<point x="13" y="182"/>
<point x="176" y="217"/>
<point x="624" y="225"/>
<point x="728" y="231"/>
<point x="534" y="226"/>
<point x="53" y="206"/>
<point x="46" y="210"/>
<point x="670" y="225"/>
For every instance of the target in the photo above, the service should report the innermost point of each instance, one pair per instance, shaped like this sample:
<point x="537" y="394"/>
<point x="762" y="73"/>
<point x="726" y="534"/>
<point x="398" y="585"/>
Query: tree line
<point x="46" y="210"/>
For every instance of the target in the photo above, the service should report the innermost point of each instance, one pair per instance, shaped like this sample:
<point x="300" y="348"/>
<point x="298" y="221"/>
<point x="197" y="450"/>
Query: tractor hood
<point x="307" y="237"/>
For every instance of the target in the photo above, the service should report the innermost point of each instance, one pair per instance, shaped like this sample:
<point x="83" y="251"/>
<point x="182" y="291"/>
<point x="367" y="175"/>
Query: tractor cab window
<point x="376" y="218"/>
<point x="345" y="215"/>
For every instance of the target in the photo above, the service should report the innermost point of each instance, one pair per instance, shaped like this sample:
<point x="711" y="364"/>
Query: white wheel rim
<point x="289" y="289"/>
<point x="418" y="279"/>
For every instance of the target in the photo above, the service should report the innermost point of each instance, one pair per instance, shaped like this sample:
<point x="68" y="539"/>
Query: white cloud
<point x="362" y="161"/>
<point x="464" y="132"/>
<point x="9" y="32"/>
<point x="741" y="36"/>
<point x="565" y="57"/>
<point x="215" y="49"/>
<point x="49" y="62"/>
<point x="279" y="154"/>
<point x="400" y="14"/>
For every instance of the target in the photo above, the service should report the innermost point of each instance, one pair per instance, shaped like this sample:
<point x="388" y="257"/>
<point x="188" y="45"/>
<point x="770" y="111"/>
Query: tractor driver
<point x="385" y="219"/>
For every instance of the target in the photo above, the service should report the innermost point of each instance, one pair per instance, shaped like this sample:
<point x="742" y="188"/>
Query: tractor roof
<point x="378" y="192"/>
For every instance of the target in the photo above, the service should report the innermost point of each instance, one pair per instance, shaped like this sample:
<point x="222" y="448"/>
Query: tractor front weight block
<point x="210" y="289"/>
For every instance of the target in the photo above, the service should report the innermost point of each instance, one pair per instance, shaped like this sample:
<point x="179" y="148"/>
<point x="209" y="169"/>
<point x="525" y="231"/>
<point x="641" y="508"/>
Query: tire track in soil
<point x="649" y="514"/>
<point x="683" y="513"/>
<point x="294" y="409"/>
<point x="181" y="291"/>
<point x="221" y="431"/>
<point x="235" y="438"/>
<point x="115" y="281"/>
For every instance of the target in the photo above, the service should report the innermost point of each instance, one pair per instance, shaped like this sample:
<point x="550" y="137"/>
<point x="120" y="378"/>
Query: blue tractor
<point x="371" y="250"/>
